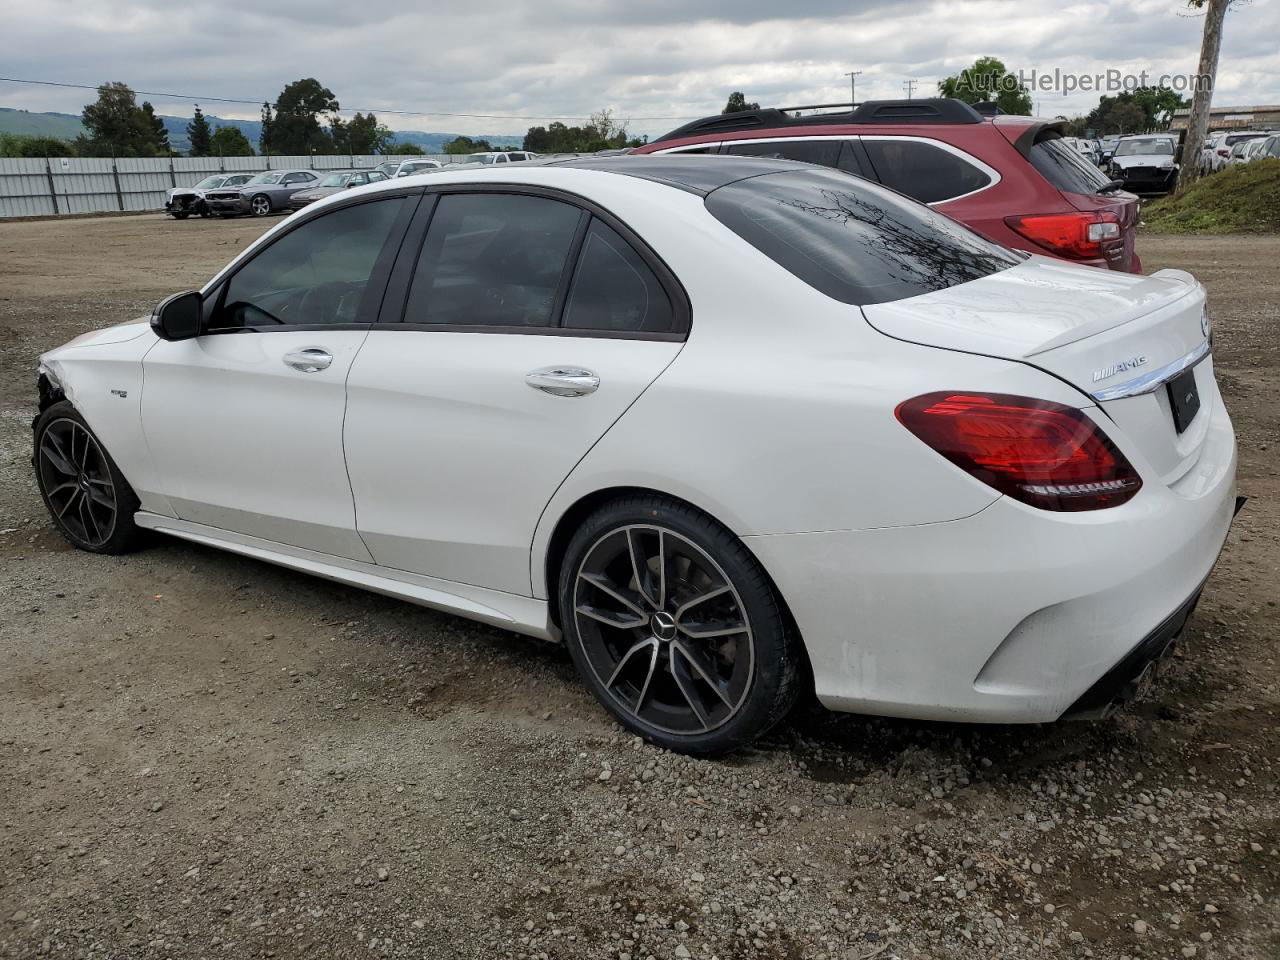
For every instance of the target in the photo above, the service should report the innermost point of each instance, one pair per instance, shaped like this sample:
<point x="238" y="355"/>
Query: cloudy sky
<point x="650" y="62"/>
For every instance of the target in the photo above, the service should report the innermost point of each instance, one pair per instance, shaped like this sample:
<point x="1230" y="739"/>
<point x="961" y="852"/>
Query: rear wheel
<point x="260" y="204"/>
<point x="91" y="503"/>
<point x="180" y="216"/>
<point x="675" y="627"/>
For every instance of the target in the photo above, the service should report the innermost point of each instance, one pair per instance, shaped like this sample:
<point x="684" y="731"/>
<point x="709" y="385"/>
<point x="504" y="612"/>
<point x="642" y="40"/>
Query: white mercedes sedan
<point x="729" y="428"/>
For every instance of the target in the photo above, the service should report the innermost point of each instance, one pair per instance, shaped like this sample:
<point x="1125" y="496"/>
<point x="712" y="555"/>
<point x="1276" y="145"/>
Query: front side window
<point x="614" y="289"/>
<point x="271" y="176"/>
<point x="208" y="183"/>
<point x="492" y="259"/>
<point x="923" y="171"/>
<point x="315" y="274"/>
<point x="825" y="153"/>
<point x="298" y="178"/>
<point x="852" y="239"/>
<point x="237" y="180"/>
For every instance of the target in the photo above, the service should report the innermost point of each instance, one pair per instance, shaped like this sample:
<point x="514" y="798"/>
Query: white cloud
<point x="668" y="58"/>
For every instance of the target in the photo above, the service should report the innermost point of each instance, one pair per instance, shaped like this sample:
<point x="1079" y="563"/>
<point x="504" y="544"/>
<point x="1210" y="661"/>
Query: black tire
<point x="77" y="478"/>
<point x="260" y="205"/>
<point x="179" y="216"/>
<point x="661" y="678"/>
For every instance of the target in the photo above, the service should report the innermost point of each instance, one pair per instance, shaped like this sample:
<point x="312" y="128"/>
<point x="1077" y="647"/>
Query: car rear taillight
<point x="1223" y="153"/>
<point x="1040" y="452"/>
<point x="1079" y="235"/>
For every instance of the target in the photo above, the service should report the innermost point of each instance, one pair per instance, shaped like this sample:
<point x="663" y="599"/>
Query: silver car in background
<point x="268" y="192"/>
<point x="182" y="202"/>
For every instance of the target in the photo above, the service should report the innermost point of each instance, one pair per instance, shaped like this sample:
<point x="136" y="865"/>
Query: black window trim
<point x="396" y="298"/>
<point x="378" y="277"/>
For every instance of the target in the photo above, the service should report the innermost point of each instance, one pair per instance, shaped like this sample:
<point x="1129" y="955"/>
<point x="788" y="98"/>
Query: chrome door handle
<point x="563" y="381"/>
<point x="309" y="359"/>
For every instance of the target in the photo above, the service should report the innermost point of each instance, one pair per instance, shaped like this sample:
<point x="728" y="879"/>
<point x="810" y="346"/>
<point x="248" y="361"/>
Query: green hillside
<point x="64" y="126"/>
<point x="1241" y="199"/>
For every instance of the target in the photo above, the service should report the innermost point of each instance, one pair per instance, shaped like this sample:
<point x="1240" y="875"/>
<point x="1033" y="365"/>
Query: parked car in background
<point x="1106" y="147"/>
<point x="974" y="508"/>
<point x="1146" y="163"/>
<point x="267" y="193"/>
<point x="402" y="167"/>
<point x="1083" y="147"/>
<point x="1011" y="178"/>
<point x="1218" y="154"/>
<point x="1270" y="147"/>
<point x="1248" y="149"/>
<point x="501" y="156"/>
<point x="182" y="202"/>
<point x="335" y="182"/>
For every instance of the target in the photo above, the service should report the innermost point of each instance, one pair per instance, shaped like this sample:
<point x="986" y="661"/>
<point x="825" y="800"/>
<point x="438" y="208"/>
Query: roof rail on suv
<point x="933" y="110"/>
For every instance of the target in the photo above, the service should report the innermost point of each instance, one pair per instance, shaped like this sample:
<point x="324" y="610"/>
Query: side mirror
<point x="178" y="316"/>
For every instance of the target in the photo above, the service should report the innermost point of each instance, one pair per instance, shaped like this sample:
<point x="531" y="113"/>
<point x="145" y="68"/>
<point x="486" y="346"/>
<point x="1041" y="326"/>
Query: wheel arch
<point x="571" y="518"/>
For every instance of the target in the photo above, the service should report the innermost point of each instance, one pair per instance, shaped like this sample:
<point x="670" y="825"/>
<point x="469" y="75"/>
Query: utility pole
<point x="853" y="85"/>
<point x="910" y="87"/>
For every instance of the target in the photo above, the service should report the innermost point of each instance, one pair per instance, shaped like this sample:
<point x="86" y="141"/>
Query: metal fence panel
<point x="36" y="186"/>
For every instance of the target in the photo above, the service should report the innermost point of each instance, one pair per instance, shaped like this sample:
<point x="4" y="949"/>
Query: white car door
<point x="245" y="421"/>
<point x="522" y="327"/>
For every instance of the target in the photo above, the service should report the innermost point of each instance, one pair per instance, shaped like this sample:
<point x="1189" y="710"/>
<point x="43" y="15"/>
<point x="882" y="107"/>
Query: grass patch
<point x="1241" y="199"/>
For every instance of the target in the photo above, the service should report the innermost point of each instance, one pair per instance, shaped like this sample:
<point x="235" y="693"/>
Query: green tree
<point x="1134" y="111"/>
<point x="18" y="145"/>
<point x="295" y="127"/>
<point x="229" y="142"/>
<point x="117" y="127"/>
<point x="264" y="130"/>
<point x="198" y="133"/>
<point x="406" y="150"/>
<point x="361" y="134"/>
<point x="159" y="132"/>
<point x="988" y="80"/>
<point x="461" y="144"/>
<point x="738" y="103"/>
<point x="601" y="132"/>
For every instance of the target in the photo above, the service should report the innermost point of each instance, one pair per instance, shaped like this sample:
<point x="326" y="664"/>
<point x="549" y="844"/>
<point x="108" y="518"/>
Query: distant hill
<point x="67" y="126"/>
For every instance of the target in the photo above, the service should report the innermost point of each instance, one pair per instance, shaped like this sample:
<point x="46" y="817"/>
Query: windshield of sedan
<point x="337" y="180"/>
<point x="853" y="240"/>
<point x="1159" y="147"/>
<point x="271" y="176"/>
<point x="208" y="182"/>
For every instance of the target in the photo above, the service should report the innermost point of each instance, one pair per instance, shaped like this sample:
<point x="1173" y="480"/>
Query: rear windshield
<point x="853" y="240"/>
<point x="1064" y="168"/>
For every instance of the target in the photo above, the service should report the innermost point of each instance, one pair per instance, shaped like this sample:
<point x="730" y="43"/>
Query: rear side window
<point x="1065" y="169"/>
<point x="492" y="259"/>
<point x="613" y="289"/>
<point x="825" y="153"/>
<point x="923" y="171"/>
<point x="853" y="240"/>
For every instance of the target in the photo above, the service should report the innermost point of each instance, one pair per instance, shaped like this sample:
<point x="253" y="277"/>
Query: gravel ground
<point x="204" y="756"/>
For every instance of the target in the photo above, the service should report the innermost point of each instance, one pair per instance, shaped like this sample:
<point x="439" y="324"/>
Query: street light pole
<point x="853" y="85"/>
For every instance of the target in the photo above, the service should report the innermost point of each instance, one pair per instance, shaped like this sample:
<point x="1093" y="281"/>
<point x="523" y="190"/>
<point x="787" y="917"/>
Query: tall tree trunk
<point x="1198" y="121"/>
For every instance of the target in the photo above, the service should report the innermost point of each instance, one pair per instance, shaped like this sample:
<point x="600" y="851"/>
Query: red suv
<point x="1009" y="178"/>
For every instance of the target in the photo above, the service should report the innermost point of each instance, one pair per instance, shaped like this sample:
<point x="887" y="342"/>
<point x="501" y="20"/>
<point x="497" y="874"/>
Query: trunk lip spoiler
<point x="1153" y="380"/>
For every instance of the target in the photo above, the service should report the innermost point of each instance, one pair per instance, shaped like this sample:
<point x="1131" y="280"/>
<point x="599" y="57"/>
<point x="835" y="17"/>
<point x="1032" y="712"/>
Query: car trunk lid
<point x="1116" y="337"/>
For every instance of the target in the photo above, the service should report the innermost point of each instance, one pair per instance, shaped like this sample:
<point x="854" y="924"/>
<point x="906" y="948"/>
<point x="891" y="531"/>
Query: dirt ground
<point x="204" y="756"/>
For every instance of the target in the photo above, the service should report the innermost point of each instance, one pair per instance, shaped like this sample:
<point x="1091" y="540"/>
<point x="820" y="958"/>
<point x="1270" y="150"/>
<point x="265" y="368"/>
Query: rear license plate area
<point x="1184" y="399"/>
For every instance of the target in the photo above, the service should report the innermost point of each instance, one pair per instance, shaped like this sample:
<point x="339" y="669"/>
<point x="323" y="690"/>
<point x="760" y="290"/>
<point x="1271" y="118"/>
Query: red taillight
<point x="1223" y="153"/>
<point x="1079" y="235"/>
<point x="1042" y="453"/>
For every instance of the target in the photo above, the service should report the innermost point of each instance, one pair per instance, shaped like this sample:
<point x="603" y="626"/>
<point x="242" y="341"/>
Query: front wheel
<point x="260" y="205"/>
<point x="179" y="216"/>
<point x="675" y="627"/>
<point x="91" y="503"/>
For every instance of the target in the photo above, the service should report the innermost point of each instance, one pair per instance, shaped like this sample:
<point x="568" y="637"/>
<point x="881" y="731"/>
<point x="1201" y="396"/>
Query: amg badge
<point x="1120" y="367"/>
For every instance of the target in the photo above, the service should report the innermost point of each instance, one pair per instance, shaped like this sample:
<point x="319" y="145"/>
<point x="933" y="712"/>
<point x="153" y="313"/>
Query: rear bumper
<point x="1012" y="615"/>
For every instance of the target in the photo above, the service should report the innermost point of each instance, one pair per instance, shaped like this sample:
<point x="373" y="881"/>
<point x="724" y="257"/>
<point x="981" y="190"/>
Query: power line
<point x="258" y="101"/>
<point x="910" y="87"/>
<point x="853" y="76"/>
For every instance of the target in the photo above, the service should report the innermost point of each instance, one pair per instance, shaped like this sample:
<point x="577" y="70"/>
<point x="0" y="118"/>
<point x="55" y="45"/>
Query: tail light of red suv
<point x="1039" y="452"/>
<point x="1084" y="236"/>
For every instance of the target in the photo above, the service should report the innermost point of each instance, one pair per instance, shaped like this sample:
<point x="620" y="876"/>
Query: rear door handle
<point x="309" y="359"/>
<point x="563" y="381"/>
